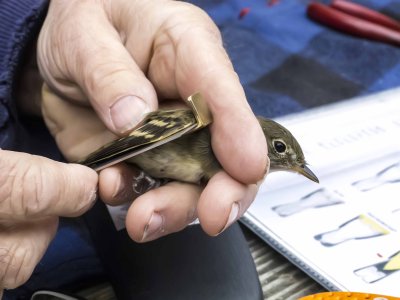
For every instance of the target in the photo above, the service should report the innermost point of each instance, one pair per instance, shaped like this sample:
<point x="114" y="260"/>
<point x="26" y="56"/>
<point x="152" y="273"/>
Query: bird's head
<point x="284" y="151"/>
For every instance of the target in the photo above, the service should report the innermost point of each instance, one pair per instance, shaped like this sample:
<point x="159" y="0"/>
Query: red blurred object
<point x="244" y="12"/>
<point x="365" y="13"/>
<point x="356" y="20"/>
<point x="272" y="2"/>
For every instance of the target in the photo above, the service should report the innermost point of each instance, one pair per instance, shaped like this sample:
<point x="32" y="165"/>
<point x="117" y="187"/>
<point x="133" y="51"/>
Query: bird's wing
<point x="158" y="128"/>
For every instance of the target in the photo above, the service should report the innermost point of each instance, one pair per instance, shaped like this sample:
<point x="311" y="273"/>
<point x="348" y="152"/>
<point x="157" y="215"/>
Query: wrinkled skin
<point x="92" y="54"/>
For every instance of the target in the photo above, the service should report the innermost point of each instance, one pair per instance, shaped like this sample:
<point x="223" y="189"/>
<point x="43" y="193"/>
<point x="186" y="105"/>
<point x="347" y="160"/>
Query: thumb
<point x="93" y="63"/>
<point x="37" y="187"/>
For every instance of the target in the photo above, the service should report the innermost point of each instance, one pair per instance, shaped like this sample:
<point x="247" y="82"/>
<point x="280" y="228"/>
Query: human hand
<point x="117" y="57"/>
<point x="34" y="192"/>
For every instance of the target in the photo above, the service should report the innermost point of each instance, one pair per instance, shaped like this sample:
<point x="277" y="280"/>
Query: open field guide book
<point x="345" y="231"/>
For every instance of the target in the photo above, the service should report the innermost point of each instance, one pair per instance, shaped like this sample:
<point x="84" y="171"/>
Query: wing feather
<point x="157" y="126"/>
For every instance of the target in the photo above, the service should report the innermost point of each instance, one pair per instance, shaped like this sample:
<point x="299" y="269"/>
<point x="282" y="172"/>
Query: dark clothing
<point x="19" y="20"/>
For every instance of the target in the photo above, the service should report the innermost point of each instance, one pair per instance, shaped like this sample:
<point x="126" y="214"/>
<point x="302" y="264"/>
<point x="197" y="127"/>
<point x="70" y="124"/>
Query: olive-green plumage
<point x="190" y="158"/>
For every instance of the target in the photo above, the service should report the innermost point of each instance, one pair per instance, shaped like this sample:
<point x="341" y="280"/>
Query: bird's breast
<point x="162" y="163"/>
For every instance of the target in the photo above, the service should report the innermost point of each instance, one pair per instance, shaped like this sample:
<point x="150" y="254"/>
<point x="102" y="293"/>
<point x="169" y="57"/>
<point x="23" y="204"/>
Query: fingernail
<point x="92" y="200"/>
<point x="233" y="215"/>
<point x="122" y="192"/>
<point x="154" y="228"/>
<point x="266" y="172"/>
<point x="263" y="179"/>
<point x="93" y="195"/>
<point x="267" y="167"/>
<point x="195" y="222"/>
<point x="127" y="112"/>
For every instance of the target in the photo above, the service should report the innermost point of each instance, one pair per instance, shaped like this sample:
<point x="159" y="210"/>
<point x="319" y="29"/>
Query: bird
<point x="190" y="158"/>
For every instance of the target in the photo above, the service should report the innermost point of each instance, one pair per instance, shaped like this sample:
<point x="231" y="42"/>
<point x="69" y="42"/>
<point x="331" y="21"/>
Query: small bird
<point x="190" y="158"/>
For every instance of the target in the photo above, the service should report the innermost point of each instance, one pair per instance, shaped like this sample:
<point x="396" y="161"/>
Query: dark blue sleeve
<point x="19" y="23"/>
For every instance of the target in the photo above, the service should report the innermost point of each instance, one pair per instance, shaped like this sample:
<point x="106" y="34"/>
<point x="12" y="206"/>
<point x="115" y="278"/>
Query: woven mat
<point x="280" y="279"/>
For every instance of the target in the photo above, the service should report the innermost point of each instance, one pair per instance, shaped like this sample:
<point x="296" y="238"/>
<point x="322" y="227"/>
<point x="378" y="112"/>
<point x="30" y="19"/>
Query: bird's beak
<point x="305" y="171"/>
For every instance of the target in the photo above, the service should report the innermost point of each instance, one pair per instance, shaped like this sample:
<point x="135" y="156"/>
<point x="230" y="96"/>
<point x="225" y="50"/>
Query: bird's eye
<point x="279" y="146"/>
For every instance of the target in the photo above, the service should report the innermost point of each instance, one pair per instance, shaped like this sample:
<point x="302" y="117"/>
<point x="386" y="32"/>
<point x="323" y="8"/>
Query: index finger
<point x="202" y="64"/>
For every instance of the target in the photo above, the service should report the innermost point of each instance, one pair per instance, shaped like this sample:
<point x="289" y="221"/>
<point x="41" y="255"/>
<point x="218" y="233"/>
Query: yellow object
<point x="373" y="224"/>
<point x="393" y="263"/>
<point x="347" y="296"/>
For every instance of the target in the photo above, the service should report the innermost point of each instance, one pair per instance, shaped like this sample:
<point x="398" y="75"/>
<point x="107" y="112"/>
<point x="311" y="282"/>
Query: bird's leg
<point x="143" y="183"/>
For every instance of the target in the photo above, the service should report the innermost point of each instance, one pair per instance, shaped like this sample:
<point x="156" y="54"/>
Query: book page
<point x="344" y="232"/>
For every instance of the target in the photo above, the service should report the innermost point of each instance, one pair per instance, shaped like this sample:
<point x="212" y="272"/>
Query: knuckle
<point x="96" y="73"/>
<point x="191" y="21"/>
<point x="26" y="186"/>
<point x="5" y="186"/>
<point x="198" y="15"/>
<point x="29" y="199"/>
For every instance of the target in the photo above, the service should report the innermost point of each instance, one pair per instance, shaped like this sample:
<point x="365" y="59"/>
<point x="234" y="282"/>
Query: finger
<point x="98" y="62"/>
<point x="115" y="184"/>
<point x="36" y="187"/>
<point x="159" y="212"/>
<point x="21" y="248"/>
<point x="123" y="182"/>
<point x="222" y="202"/>
<point x="76" y="129"/>
<point x="201" y="64"/>
<point x="237" y="137"/>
